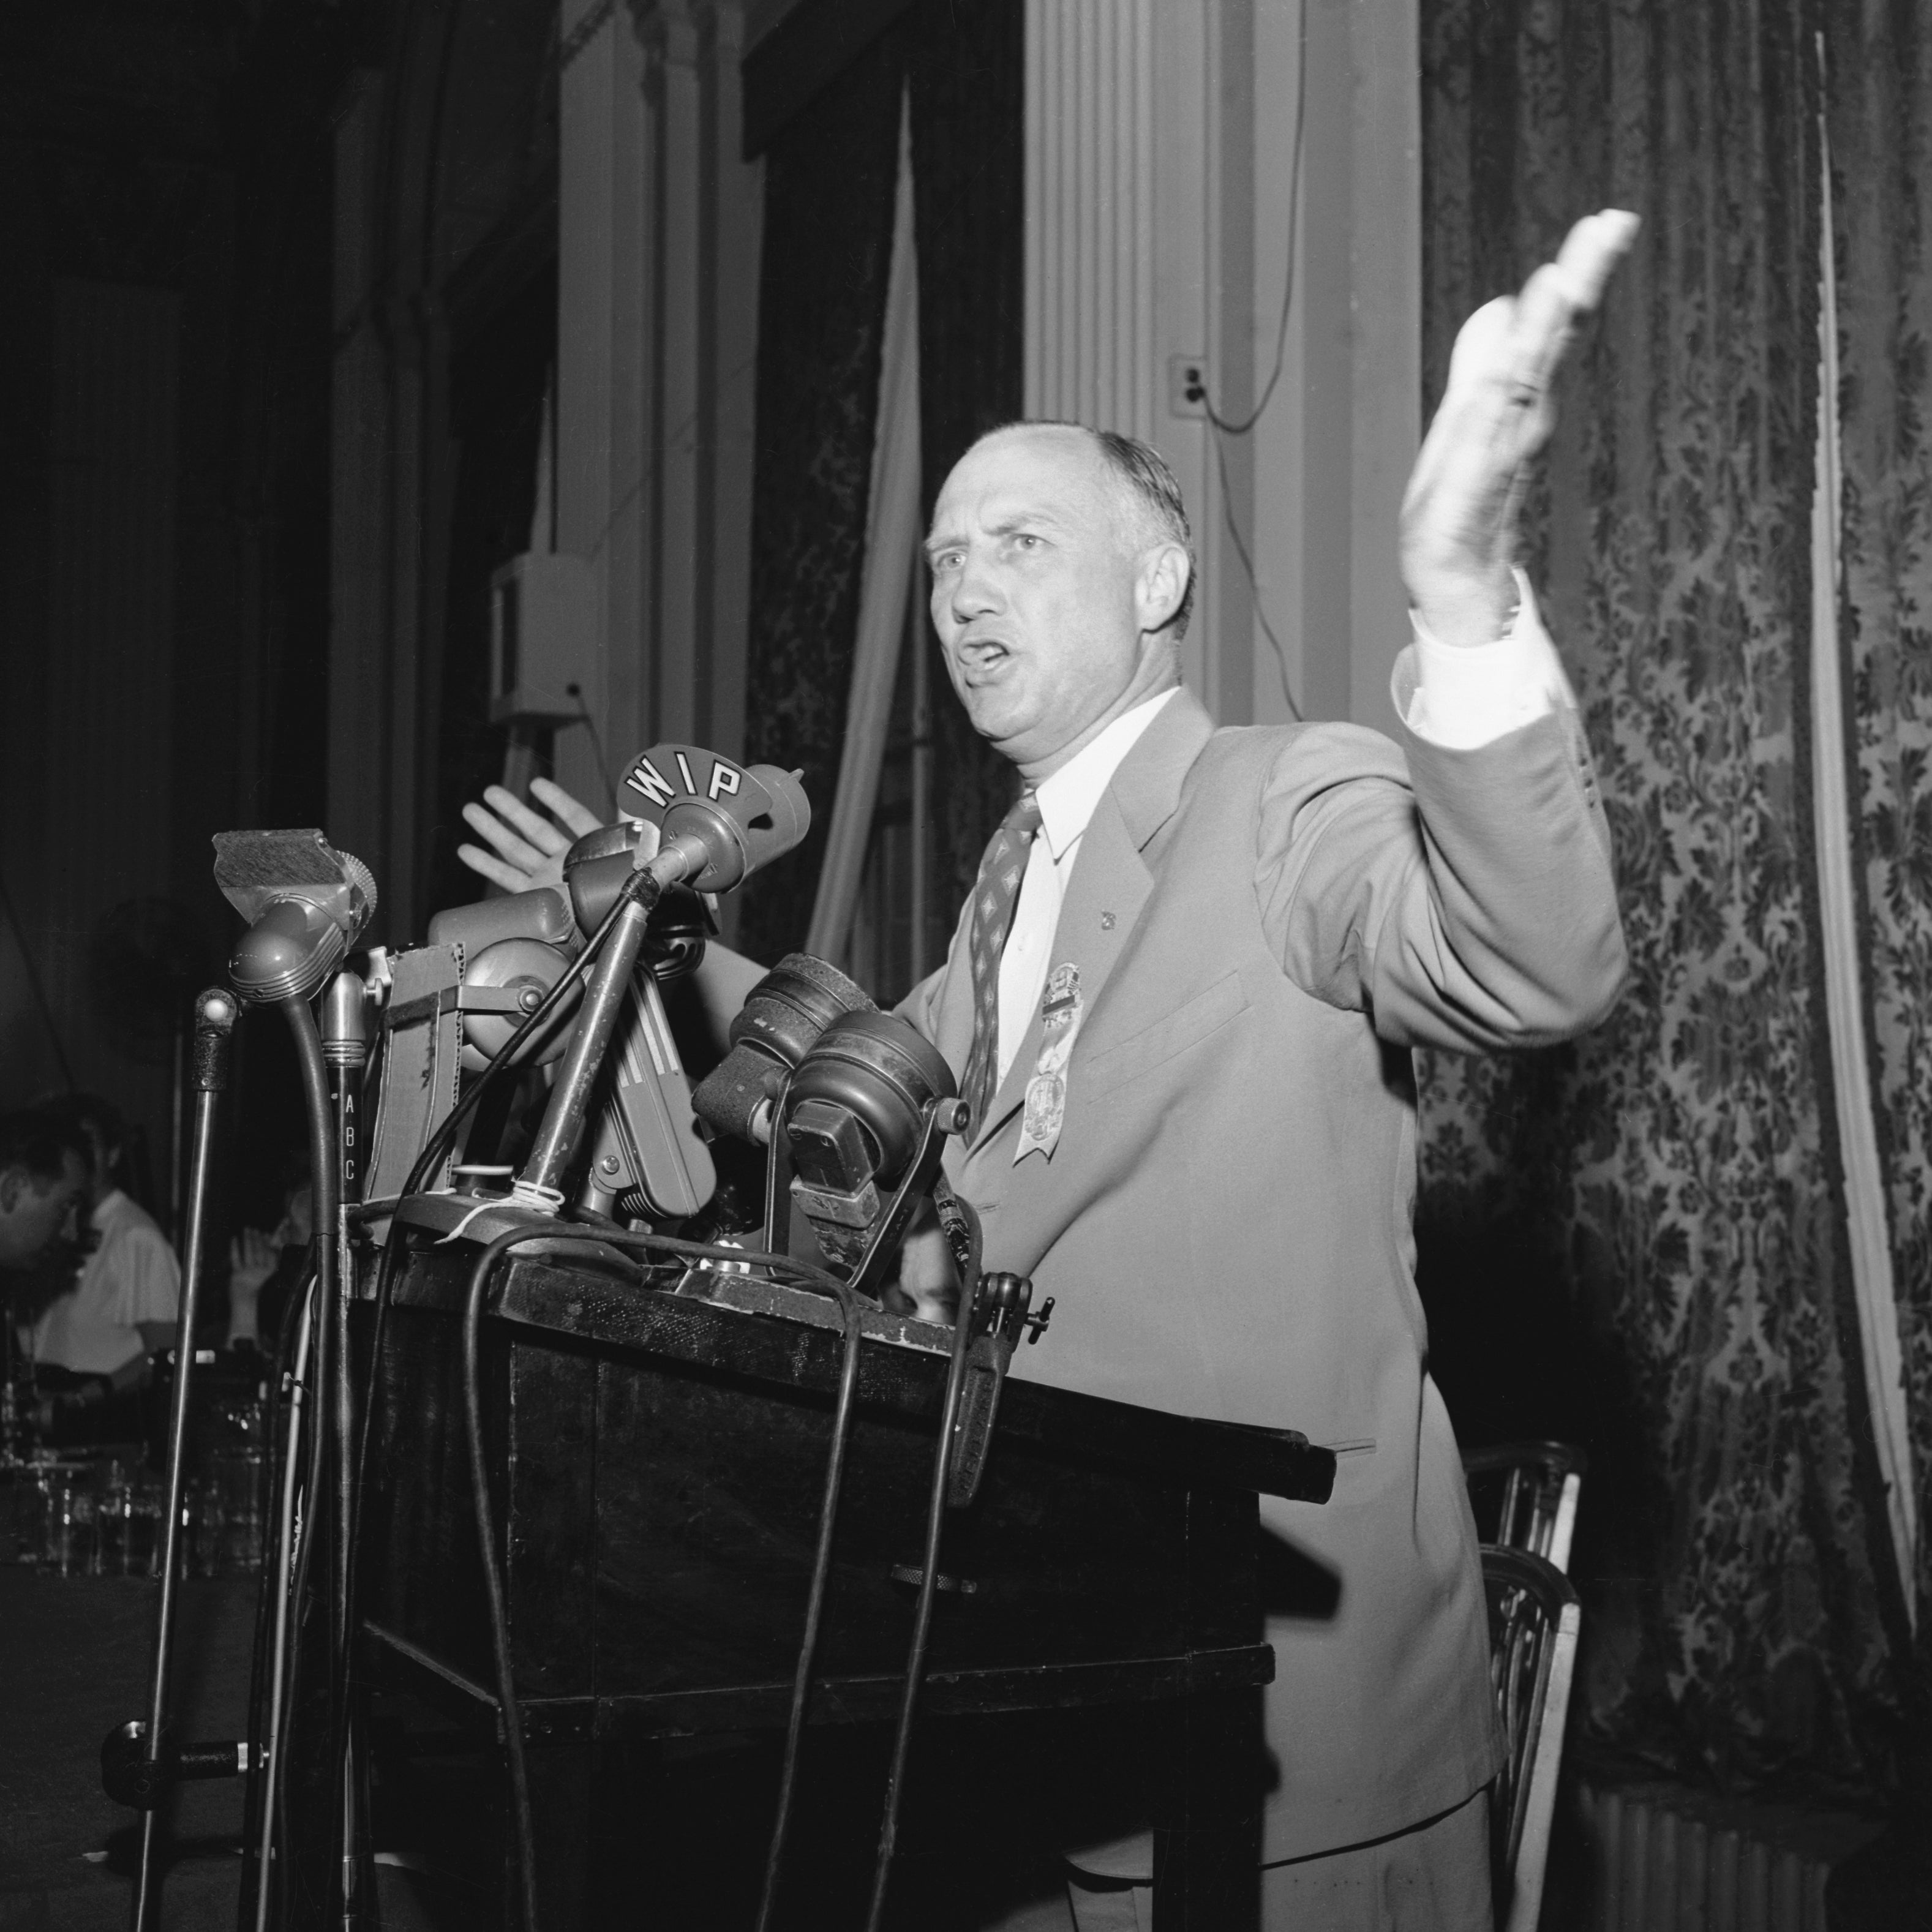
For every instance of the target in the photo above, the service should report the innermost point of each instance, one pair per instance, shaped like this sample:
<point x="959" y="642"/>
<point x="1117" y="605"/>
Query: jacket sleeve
<point x="920" y="1005"/>
<point x="1463" y="898"/>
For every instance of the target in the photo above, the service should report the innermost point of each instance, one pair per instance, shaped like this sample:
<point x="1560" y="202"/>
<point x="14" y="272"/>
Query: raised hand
<point x="1459" y="513"/>
<point x="528" y="848"/>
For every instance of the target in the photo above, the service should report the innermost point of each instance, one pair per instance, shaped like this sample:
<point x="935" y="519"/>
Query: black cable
<point x="310" y="1492"/>
<point x="330" y="1368"/>
<point x="325" y="1183"/>
<point x="1254" y="583"/>
<point x="260" y="1654"/>
<point x="1219" y="426"/>
<point x="433" y="1149"/>
<point x="1254" y="415"/>
<point x="929" y="1582"/>
<point x="507" y="1705"/>
<point x="589" y="725"/>
<point x="814" y="1602"/>
<point x="492" y="1582"/>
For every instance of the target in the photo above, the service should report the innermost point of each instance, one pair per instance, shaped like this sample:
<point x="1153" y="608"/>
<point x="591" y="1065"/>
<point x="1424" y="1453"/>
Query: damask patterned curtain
<point x="830" y="176"/>
<point x="1639" y="1241"/>
<point x="829" y="183"/>
<point x="1879" y="68"/>
<point x="969" y="154"/>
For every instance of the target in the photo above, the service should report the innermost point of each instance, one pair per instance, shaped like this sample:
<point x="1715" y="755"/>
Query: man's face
<point x="33" y="1212"/>
<point x="1034" y="592"/>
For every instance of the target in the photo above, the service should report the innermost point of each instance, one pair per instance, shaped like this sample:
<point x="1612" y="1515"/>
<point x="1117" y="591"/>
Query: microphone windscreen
<point x="782" y="1016"/>
<point x="291" y="949"/>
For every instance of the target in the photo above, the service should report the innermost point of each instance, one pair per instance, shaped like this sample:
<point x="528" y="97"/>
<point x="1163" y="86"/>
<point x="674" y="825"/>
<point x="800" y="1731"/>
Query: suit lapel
<point x="1111" y="881"/>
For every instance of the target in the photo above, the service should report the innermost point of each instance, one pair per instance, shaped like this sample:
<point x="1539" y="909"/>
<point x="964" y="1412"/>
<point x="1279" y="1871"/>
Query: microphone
<point x="782" y="1018"/>
<point x="307" y="904"/>
<point x="717" y="822"/>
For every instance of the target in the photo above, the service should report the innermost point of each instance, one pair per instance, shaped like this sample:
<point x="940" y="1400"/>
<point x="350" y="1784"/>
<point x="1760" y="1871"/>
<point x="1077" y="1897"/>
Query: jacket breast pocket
<point x="1187" y="1025"/>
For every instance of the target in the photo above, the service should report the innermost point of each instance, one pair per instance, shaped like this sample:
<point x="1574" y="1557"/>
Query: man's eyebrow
<point x="1006" y="527"/>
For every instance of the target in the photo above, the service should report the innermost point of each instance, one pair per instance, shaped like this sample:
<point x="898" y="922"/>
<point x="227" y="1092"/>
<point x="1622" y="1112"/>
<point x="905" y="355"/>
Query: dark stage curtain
<point x="1639" y="1241"/>
<point x="830" y="178"/>
<point x="829" y="183"/>
<point x="969" y="150"/>
<point x="1880" y="108"/>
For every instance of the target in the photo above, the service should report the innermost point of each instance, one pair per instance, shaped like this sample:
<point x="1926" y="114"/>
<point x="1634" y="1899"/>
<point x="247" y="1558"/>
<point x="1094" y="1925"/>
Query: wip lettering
<point x="724" y="780"/>
<point x="645" y="777"/>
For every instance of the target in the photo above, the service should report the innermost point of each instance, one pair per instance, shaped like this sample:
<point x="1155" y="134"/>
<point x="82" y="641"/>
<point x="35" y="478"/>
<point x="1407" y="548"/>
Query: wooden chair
<point x="1533" y="1619"/>
<point x="1525" y="1495"/>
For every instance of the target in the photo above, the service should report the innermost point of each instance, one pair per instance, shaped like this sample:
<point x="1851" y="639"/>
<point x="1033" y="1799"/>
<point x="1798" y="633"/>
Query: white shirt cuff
<point x="1463" y="697"/>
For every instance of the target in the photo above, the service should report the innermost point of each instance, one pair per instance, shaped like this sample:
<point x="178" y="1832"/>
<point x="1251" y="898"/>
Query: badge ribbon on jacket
<point x="1060" y="1008"/>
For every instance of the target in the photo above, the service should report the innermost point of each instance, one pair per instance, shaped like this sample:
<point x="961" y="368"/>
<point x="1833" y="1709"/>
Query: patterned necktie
<point x="995" y="896"/>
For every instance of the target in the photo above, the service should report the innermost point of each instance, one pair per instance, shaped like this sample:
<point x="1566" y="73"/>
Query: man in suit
<point x="1182" y="998"/>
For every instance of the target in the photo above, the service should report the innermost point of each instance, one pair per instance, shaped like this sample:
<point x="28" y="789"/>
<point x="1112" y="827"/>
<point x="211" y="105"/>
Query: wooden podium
<point x="658" y="1458"/>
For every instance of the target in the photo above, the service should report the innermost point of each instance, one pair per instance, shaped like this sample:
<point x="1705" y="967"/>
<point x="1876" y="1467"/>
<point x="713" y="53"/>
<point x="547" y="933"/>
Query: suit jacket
<point x="1265" y="921"/>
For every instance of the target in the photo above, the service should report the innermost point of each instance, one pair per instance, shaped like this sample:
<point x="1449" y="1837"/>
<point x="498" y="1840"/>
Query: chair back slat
<point x="1525" y="1494"/>
<point x="1534" y="1621"/>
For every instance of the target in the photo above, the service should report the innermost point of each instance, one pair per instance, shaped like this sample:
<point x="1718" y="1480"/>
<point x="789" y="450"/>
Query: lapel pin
<point x="1106" y="921"/>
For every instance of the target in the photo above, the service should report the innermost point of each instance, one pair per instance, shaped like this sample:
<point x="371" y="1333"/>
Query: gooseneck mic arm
<point x="332" y="1380"/>
<point x="214" y="1016"/>
<point x="344" y="1047"/>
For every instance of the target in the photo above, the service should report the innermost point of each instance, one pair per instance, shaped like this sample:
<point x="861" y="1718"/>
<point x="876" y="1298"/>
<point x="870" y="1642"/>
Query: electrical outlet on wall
<point x="1186" y="385"/>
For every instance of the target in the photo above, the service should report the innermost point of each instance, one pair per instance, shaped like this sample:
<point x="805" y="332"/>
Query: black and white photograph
<point x="966" y="966"/>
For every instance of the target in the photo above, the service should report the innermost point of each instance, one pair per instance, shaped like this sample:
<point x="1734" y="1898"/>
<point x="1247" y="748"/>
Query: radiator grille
<point x="1663" y="1859"/>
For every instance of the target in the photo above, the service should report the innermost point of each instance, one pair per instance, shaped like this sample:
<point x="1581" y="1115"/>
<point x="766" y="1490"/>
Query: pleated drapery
<point x="830" y="197"/>
<point x="1641" y="1239"/>
<point x="892" y="530"/>
<point x="1878" y="66"/>
<point x="830" y="182"/>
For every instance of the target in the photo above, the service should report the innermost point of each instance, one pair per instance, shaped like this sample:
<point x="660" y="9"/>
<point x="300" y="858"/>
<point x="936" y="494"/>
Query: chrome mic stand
<point x="214" y="1016"/>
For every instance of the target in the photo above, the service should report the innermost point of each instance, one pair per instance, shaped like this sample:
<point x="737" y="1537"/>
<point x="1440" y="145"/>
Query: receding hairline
<point x="1134" y="521"/>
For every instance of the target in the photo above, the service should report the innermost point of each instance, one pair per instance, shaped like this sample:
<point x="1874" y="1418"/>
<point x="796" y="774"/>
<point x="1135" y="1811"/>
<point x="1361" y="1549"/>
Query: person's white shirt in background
<point x="132" y="1277"/>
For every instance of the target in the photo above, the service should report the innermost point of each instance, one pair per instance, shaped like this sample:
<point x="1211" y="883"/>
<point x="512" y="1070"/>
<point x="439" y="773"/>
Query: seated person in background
<point x="265" y="1270"/>
<point x="43" y="1173"/>
<point x="123" y="1306"/>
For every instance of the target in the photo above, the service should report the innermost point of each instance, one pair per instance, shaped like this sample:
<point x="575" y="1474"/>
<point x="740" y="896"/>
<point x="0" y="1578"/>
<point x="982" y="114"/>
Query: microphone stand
<point x="603" y="1001"/>
<point x="334" y="1390"/>
<point x="284" y="1591"/>
<point x="214" y="1016"/>
<point x="345" y="1050"/>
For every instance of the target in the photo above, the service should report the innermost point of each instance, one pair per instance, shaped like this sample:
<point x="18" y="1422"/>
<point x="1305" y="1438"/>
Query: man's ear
<point x="1161" y="586"/>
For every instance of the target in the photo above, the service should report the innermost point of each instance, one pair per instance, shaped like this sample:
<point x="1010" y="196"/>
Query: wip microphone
<point x="306" y="905"/>
<point x="718" y="822"/>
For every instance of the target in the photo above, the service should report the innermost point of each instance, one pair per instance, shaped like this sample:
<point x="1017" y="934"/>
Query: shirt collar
<point x="1067" y="799"/>
<point x="104" y="1209"/>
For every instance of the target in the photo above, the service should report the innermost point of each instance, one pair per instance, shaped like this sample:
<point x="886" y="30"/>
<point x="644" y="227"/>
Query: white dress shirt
<point x="1459" y="697"/>
<point x="130" y="1277"/>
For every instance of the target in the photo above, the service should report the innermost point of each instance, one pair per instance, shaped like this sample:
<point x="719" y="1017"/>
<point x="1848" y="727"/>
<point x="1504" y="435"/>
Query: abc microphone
<point x="306" y="905"/>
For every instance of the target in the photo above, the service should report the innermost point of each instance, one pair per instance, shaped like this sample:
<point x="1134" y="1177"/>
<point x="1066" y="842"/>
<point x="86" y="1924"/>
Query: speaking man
<point x="1182" y="1000"/>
